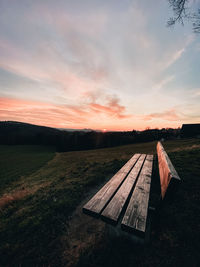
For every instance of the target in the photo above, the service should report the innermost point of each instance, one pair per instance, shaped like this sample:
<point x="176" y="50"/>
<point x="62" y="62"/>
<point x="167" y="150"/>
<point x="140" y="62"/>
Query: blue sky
<point x="97" y="64"/>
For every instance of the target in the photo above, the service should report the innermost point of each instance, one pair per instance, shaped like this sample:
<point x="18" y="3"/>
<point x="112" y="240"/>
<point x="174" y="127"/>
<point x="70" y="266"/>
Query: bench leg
<point x="117" y="232"/>
<point x="148" y="229"/>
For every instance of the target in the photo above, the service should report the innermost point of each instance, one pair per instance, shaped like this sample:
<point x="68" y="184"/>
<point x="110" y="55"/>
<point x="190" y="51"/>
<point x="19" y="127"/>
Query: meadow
<point x="41" y="195"/>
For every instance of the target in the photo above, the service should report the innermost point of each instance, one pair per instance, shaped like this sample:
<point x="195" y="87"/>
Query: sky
<point x="99" y="64"/>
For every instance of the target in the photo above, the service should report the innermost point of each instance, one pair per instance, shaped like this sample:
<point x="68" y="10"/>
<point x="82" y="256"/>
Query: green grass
<point x="19" y="161"/>
<point x="32" y="226"/>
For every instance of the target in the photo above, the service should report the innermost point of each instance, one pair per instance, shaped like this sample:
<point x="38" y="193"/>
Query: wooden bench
<point x="124" y="200"/>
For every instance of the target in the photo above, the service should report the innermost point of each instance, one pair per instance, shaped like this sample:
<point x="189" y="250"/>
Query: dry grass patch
<point x="6" y="199"/>
<point x="19" y="194"/>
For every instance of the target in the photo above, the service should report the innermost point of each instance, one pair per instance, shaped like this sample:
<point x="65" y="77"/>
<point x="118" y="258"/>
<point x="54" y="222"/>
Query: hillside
<point x="18" y="133"/>
<point x="25" y="128"/>
<point x="41" y="223"/>
<point x="13" y="133"/>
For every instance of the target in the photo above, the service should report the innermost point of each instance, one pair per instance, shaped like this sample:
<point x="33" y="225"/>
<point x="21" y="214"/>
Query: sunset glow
<point x="106" y="65"/>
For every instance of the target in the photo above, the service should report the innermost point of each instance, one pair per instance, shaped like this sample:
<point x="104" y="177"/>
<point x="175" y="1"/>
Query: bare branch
<point x="181" y="12"/>
<point x="179" y="9"/>
<point x="196" y="23"/>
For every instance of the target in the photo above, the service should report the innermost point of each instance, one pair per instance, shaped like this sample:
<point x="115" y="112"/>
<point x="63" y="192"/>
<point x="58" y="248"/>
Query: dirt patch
<point x="18" y="194"/>
<point x="6" y="199"/>
<point x="185" y="148"/>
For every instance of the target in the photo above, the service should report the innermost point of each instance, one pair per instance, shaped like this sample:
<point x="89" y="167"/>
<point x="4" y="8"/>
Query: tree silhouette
<point x="181" y="12"/>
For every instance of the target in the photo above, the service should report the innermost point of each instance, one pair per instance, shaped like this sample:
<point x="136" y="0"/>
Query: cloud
<point x="196" y="92"/>
<point x="100" y="102"/>
<point x="75" y="116"/>
<point x="111" y="109"/>
<point x="173" y="58"/>
<point x="161" y="84"/>
<point x="168" y="115"/>
<point x="41" y="113"/>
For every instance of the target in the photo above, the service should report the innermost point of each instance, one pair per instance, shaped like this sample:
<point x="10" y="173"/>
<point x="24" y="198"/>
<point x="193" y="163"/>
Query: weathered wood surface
<point x="95" y="206"/>
<point x="114" y="208"/>
<point x="167" y="171"/>
<point x="135" y="217"/>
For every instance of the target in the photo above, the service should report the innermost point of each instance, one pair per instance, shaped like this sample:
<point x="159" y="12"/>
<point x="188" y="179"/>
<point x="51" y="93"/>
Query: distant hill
<point x="19" y="133"/>
<point x="25" y="127"/>
<point x="79" y="130"/>
<point x="13" y="132"/>
<point x="16" y="125"/>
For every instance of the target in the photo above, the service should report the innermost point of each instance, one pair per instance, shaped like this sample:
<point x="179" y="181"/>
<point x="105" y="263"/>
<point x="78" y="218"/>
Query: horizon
<point x="111" y="66"/>
<point x="95" y="130"/>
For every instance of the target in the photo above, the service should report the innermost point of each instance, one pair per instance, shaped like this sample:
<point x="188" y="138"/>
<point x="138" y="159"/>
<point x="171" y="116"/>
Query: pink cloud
<point x="111" y="108"/>
<point x="169" y="115"/>
<point x="41" y="113"/>
<point x="95" y="114"/>
<point x="76" y="116"/>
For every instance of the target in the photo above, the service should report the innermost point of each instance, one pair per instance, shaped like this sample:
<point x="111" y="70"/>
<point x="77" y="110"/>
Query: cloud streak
<point x="112" y="108"/>
<point x="168" y="115"/>
<point x="75" y="116"/>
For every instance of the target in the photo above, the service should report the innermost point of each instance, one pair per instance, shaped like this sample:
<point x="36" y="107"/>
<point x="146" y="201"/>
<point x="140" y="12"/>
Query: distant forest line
<point x="17" y="133"/>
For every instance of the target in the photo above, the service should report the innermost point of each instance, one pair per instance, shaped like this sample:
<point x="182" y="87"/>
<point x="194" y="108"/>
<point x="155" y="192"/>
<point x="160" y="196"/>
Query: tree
<point x="181" y="12"/>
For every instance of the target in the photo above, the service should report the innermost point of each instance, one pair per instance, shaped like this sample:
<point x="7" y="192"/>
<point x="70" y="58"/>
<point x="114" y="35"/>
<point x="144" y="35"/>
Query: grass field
<point x="40" y="189"/>
<point x="19" y="161"/>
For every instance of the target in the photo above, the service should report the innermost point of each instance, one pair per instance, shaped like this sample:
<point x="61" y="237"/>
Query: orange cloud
<point x="80" y="116"/>
<point x="169" y="115"/>
<point x="40" y="113"/>
<point x="112" y="108"/>
<point x="95" y="115"/>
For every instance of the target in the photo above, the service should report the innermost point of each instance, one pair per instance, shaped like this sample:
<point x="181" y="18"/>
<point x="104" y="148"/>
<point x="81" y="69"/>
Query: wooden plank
<point x="167" y="171"/>
<point x="135" y="217"/>
<point x="95" y="206"/>
<point x="114" y="208"/>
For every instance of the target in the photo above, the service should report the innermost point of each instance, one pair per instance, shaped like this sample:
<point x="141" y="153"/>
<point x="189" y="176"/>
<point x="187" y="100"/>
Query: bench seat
<point x="135" y="217"/>
<point x="124" y="198"/>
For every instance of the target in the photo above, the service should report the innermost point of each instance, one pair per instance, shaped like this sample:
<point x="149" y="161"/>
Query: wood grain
<point x="95" y="206"/>
<point x="167" y="171"/>
<point x="135" y="217"/>
<point x="114" y="208"/>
